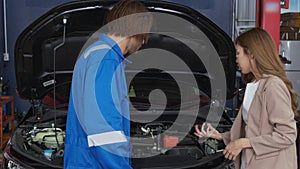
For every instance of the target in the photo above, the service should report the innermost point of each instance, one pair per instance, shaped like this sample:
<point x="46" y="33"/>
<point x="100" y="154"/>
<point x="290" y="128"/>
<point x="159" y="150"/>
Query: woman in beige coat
<point x="264" y="132"/>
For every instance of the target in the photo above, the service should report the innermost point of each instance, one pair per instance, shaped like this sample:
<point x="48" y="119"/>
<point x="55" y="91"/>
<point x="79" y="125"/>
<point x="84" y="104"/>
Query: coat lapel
<point x="253" y="128"/>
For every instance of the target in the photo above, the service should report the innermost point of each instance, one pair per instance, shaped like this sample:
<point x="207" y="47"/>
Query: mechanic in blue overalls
<point x="98" y="123"/>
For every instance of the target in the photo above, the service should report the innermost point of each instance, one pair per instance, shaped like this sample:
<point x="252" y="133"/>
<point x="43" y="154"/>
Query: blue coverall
<point x="98" y="123"/>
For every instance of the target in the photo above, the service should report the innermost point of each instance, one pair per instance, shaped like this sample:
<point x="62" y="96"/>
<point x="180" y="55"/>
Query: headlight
<point x="12" y="165"/>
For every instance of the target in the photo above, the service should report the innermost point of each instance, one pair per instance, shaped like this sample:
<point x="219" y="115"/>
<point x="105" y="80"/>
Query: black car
<point x="165" y="103"/>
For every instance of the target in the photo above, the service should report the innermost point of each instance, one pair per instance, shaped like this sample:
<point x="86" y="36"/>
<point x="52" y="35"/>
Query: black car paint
<point x="34" y="60"/>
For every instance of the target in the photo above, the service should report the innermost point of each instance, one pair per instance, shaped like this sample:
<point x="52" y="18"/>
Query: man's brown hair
<point x="135" y="18"/>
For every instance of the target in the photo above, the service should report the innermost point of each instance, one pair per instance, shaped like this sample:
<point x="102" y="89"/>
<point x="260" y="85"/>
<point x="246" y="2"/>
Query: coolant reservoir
<point x="48" y="138"/>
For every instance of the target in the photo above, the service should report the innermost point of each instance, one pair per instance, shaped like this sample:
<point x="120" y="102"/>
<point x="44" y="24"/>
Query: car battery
<point x="170" y="141"/>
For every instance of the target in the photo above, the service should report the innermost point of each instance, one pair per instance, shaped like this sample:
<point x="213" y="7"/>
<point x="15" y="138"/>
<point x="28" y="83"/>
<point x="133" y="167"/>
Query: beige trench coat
<point x="271" y="128"/>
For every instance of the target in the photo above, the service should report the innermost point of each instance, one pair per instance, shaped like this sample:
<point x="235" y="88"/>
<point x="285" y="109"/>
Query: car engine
<point x="43" y="134"/>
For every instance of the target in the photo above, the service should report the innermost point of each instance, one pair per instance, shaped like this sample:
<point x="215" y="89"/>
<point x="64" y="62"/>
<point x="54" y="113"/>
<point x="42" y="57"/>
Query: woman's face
<point x="242" y="59"/>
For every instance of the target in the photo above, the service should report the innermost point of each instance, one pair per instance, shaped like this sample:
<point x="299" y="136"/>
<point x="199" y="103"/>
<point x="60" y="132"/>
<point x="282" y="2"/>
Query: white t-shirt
<point x="249" y="95"/>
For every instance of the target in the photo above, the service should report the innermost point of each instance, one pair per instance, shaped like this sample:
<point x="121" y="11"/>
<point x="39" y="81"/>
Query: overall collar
<point x="114" y="45"/>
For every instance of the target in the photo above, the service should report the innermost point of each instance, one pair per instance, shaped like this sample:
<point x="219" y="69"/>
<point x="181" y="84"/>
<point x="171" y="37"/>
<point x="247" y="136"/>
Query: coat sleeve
<point x="226" y="137"/>
<point x="235" y="131"/>
<point x="281" y="117"/>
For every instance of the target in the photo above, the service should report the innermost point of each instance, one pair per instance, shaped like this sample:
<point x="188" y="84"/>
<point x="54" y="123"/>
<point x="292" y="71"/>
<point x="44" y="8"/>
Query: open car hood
<point x="40" y="47"/>
<point x="165" y="103"/>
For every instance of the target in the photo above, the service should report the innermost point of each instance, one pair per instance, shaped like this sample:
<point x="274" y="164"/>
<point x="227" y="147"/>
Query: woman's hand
<point x="210" y="132"/>
<point x="234" y="148"/>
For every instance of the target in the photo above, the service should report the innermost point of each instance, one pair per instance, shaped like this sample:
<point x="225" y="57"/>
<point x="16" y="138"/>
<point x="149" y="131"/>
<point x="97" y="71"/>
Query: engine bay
<point x="41" y="136"/>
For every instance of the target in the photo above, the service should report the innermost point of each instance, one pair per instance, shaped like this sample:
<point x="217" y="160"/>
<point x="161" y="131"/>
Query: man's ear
<point x="130" y="38"/>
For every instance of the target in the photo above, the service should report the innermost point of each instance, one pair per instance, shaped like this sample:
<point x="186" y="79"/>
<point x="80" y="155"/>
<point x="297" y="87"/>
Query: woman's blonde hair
<point x="260" y="44"/>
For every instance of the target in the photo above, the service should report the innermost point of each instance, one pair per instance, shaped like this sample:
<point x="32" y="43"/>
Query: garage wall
<point x="20" y="13"/>
<point x="1" y="39"/>
<point x="220" y="12"/>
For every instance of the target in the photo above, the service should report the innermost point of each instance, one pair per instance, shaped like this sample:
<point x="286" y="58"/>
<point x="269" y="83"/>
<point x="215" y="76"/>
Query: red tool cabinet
<point x="6" y="119"/>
